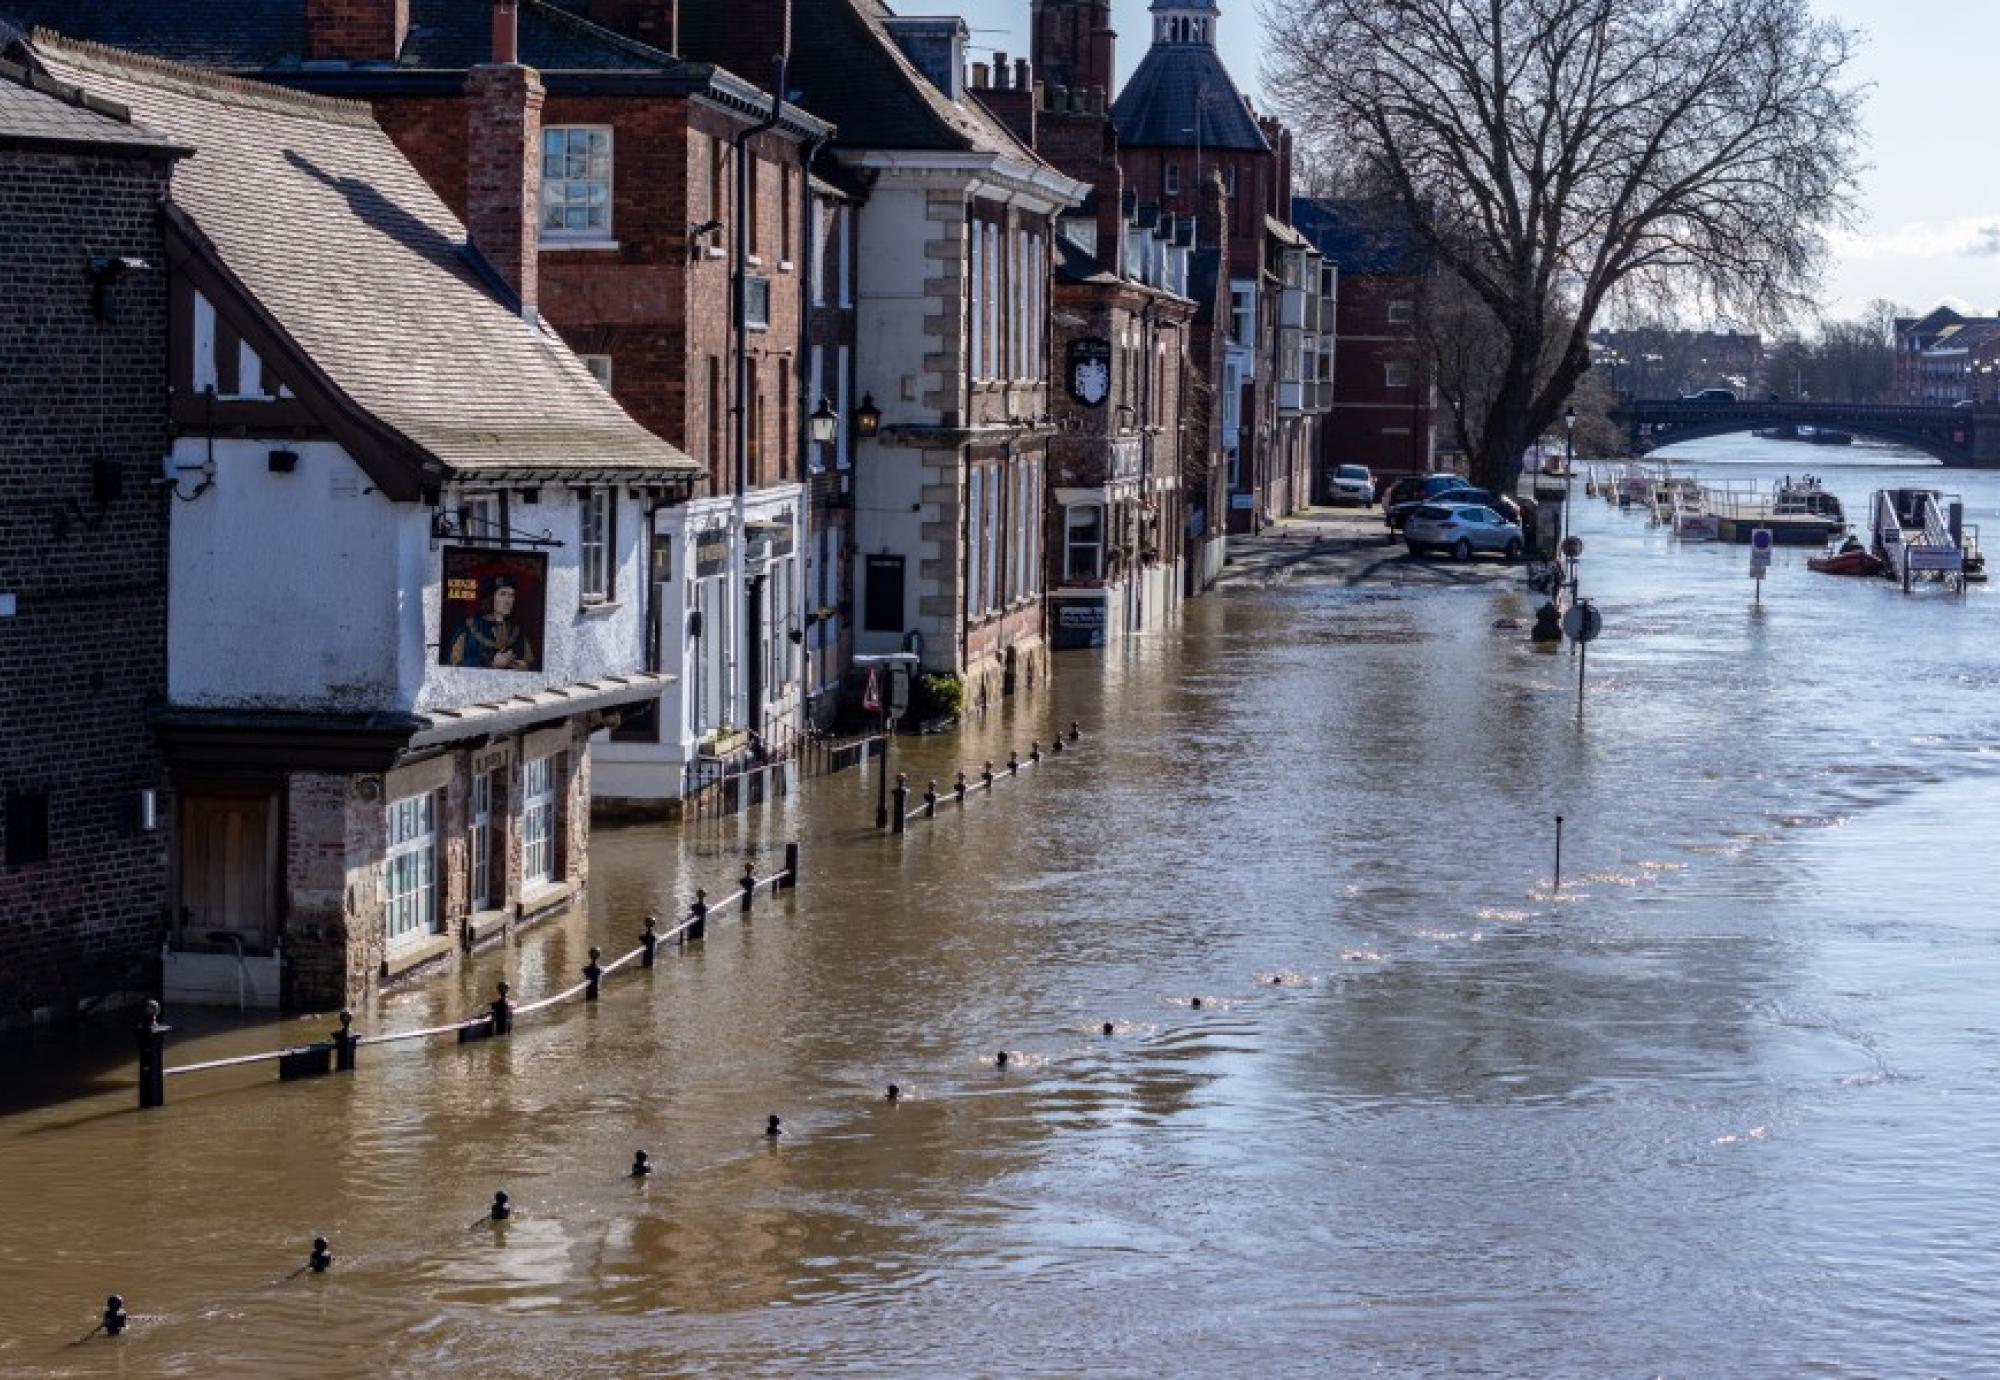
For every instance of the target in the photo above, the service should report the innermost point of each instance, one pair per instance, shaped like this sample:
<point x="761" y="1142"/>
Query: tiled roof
<point x="310" y="206"/>
<point x="554" y="36"/>
<point x="34" y="110"/>
<point x="1366" y="238"/>
<point x="1175" y="81"/>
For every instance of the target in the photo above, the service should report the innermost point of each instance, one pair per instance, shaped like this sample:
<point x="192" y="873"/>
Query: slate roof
<point x="311" y="207"/>
<point x="1364" y="238"/>
<point x="38" y="112"/>
<point x="1159" y="104"/>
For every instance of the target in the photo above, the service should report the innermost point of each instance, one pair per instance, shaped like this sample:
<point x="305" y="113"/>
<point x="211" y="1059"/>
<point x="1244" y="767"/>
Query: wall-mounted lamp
<point x="867" y="417"/>
<point x="146" y="811"/>
<point x="824" y="422"/>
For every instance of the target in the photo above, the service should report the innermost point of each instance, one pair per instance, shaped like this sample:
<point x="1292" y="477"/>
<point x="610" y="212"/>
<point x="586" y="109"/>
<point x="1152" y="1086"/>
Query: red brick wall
<point x="503" y="172"/>
<point x="1387" y="429"/>
<point x="356" y="30"/>
<point x="83" y="658"/>
<point x="1145" y="177"/>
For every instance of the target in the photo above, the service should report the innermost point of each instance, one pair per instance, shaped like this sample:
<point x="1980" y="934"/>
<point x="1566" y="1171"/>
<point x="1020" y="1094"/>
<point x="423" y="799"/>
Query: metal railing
<point x="988" y="777"/>
<point x="339" y="1051"/>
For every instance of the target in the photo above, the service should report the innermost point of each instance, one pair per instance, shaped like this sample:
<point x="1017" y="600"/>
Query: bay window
<point x="410" y="878"/>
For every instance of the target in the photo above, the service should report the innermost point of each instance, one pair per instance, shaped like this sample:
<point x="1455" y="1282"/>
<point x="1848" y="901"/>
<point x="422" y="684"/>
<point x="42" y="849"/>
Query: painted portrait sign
<point x="1090" y="370"/>
<point x="494" y="600"/>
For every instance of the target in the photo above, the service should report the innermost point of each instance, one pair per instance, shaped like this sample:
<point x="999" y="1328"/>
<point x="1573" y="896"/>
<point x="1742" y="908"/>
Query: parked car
<point x="1350" y="484"/>
<point x="1462" y="529"/>
<point x="1456" y="492"/>
<point x="1411" y="490"/>
<point x="1710" y="395"/>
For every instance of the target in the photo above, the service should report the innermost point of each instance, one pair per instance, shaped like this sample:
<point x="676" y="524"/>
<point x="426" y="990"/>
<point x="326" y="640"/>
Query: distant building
<point x="1653" y="362"/>
<point x="1384" y="409"/>
<point x="84" y="802"/>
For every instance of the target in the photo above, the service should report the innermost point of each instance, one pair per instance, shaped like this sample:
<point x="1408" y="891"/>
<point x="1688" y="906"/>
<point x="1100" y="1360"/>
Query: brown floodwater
<point x="1727" y="1104"/>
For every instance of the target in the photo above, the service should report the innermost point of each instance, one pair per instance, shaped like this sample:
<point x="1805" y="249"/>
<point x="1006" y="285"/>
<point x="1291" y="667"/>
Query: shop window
<point x="538" y="822"/>
<point x="411" y="877"/>
<point x="1083" y="543"/>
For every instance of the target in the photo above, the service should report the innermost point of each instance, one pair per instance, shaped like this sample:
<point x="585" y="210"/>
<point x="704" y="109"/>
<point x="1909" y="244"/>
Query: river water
<point x="1727" y="1104"/>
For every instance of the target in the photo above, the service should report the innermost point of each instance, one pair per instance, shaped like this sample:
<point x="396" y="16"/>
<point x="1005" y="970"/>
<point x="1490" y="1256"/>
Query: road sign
<point x="1572" y="547"/>
<point x="1760" y="561"/>
<point x="1760" y="540"/>
<point x="1583" y="623"/>
<point x="871" y="695"/>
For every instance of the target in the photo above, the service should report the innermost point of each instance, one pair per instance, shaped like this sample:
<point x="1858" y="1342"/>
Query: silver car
<point x="1351" y="484"/>
<point x="1461" y="529"/>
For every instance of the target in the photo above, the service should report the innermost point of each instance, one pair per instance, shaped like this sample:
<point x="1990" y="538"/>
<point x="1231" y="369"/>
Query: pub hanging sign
<point x="495" y="601"/>
<point x="1090" y="370"/>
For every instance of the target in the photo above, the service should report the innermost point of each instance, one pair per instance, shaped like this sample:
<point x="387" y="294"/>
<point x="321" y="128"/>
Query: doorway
<point x="228" y="867"/>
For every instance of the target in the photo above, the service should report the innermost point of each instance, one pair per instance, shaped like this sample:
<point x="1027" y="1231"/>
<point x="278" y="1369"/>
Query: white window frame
<point x="1396" y="374"/>
<point x="1071" y="546"/>
<point x="570" y="187"/>
<point x="538" y="821"/>
<point x="409" y="871"/>
<point x="778" y="617"/>
<point x="843" y="404"/>
<point x="600" y="369"/>
<point x="1172" y="181"/>
<point x="977" y="322"/>
<point x="480" y="850"/>
<point x="816" y="450"/>
<point x="995" y="477"/>
<point x="482" y="519"/>
<point x="597" y="544"/>
<point x="843" y="218"/>
<point x="975" y="547"/>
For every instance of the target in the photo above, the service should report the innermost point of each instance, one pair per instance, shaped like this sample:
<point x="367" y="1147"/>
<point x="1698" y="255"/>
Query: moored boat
<point x="1850" y="557"/>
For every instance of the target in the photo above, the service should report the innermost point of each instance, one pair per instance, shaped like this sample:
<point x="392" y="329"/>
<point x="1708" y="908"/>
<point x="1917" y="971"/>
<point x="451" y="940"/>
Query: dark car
<point x="1458" y="491"/>
<point x="1710" y="395"/>
<point x="1415" y="488"/>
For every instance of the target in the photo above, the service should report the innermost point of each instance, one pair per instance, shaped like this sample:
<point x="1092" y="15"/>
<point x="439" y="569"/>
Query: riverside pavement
<point x="1348" y="546"/>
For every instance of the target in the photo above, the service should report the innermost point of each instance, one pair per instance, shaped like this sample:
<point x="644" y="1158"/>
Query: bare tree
<point x="1559" y="154"/>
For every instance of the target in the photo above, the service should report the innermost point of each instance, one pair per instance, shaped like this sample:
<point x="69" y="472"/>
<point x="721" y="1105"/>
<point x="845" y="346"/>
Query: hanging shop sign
<point x="1090" y="370"/>
<point x="495" y="601"/>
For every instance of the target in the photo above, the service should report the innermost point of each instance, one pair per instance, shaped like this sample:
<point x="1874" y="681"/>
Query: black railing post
<point x="503" y="1012"/>
<point x="345" y="1042"/>
<point x="958" y="787"/>
<point x="1013" y="764"/>
<point x="1074" y="731"/>
<point x="930" y="799"/>
<point x="152" y="1038"/>
<point x="749" y="885"/>
<point x="900" y="807"/>
<point x="593" y="974"/>
<point x="698" y="915"/>
<point x="1055" y="748"/>
<point x="648" y="942"/>
<point x="792" y="865"/>
<point x="1035" y="751"/>
<point x="986" y="774"/>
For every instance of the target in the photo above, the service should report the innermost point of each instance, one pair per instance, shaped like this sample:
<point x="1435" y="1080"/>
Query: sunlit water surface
<point x="1729" y="1103"/>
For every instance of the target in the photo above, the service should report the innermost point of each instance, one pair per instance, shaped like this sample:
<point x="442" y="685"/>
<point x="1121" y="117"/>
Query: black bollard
<point x="152" y="1057"/>
<point x="1013" y="764"/>
<point x="345" y="1043"/>
<point x="1196" y="1003"/>
<point x="642" y="1164"/>
<point x="930" y="800"/>
<point x="502" y="1209"/>
<point x="114" y="1319"/>
<point x="1109" y="1028"/>
<point x="958" y="787"/>
<point x="1000" y="1059"/>
<point x="774" y="1127"/>
<point x="648" y="941"/>
<point x="986" y="774"/>
<point x="320" y="1258"/>
<point x="1557" y="886"/>
<point x="1035" y="751"/>
<point x="697" y="915"/>
<point x="1057" y="746"/>
<point x="899" y="808"/>
<point x="749" y="887"/>
<point x="592" y="974"/>
<point x="1074" y="731"/>
<point x="503" y="1012"/>
<point x="792" y="865"/>
<point x="895" y="1093"/>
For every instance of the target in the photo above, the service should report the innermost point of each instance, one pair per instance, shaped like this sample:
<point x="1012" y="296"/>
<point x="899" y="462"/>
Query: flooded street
<point x="1728" y="1104"/>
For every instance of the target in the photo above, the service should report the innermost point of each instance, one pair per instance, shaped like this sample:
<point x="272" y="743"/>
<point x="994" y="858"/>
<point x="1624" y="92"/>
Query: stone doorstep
<point x="545" y="901"/>
<point x="486" y="926"/>
<point x="419" y="955"/>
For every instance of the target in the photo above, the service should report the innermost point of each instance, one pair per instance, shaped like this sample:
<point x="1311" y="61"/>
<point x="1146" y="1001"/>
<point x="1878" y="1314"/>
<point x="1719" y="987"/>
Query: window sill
<point x="542" y="899"/>
<point x="396" y="962"/>
<point x="754" y="260"/>
<point x="594" y="246"/>
<point x="483" y="927"/>
<point x="785" y="266"/>
<point x="594" y="606"/>
<point x="714" y="252"/>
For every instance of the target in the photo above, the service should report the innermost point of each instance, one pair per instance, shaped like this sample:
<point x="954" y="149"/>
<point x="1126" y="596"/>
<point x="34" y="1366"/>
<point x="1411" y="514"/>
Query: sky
<point x="1929" y="226"/>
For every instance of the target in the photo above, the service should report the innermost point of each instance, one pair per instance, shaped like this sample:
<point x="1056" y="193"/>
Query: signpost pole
<point x="882" y="774"/>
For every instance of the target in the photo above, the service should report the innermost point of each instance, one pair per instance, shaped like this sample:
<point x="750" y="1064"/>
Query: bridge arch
<point x="1954" y="436"/>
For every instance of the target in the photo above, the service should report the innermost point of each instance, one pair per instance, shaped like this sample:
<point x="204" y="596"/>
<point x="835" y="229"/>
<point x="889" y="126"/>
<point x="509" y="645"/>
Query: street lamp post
<point x="1569" y="461"/>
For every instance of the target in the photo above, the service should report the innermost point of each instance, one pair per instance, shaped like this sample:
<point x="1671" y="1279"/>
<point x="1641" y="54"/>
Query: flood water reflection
<point x="1726" y="1105"/>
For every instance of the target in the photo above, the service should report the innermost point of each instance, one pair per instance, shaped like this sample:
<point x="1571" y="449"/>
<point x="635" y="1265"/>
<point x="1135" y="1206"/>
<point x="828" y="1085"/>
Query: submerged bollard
<point x="503" y="1012"/>
<point x="1035" y="751"/>
<point x="1556" y="887"/>
<point x="114" y="1319"/>
<point x="1056" y="747"/>
<point x="792" y="865"/>
<point x="321" y="1256"/>
<point x="345" y="1043"/>
<point x="1075" y="732"/>
<point x="642" y="1164"/>
<point x="930" y="800"/>
<point x="1000" y="1059"/>
<point x="774" y="1127"/>
<point x="1013" y="764"/>
<point x="648" y="941"/>
<point x="749" y="887"/>
<point x="502" y="1209"/>
<point x="899" y="809"/>
<point x="152" y="1038"/>
<point x="697" y="916"/>
<point x="593" y="973"/>
<point x="958" y="787"/>
<point x="895" y="1093"/>
<point x="1109" y="1028"/>
<point x="1196" y="1003"/>
<point x="986" y="774"/>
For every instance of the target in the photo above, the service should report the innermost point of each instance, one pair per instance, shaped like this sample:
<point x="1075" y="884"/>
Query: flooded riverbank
<point x="1727" y="1105"/>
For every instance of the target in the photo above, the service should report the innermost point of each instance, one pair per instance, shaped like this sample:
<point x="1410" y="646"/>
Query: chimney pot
<point x="979" y="76"/>
<point x="506" y="32"/>
<point x="503" y="172"/>
<point x="1022" y="77"/>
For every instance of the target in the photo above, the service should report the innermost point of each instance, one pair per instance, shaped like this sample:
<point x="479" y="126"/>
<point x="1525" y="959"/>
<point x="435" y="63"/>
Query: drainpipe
<point x="753" y="671"/>
<point x="808" y="265"/>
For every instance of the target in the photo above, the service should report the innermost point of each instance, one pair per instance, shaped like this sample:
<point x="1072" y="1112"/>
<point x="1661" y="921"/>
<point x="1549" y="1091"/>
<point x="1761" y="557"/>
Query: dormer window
<point x="576" y="182"/>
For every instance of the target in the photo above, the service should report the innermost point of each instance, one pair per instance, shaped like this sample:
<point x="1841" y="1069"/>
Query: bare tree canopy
<point x="1562" y="154"/>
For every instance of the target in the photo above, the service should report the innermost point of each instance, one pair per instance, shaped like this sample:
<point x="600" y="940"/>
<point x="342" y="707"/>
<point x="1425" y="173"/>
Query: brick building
<point x="83" y="612"/>
<point x="956" y="243"/>
<point x="1384" y="412"/>
<point x="406" y="543"/>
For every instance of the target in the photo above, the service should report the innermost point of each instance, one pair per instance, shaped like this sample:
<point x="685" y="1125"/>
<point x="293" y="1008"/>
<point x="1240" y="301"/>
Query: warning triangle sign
<point x="871" y="697"/>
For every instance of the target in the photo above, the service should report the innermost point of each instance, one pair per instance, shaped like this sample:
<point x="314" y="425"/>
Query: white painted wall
<point x="308" y="591"/>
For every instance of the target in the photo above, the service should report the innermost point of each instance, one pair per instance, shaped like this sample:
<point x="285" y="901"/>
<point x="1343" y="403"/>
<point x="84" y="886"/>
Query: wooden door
<point x="228" y="859"/>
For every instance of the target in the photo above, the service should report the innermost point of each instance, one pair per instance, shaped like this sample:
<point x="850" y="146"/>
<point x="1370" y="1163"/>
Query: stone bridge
<point x="1961" y="436"/>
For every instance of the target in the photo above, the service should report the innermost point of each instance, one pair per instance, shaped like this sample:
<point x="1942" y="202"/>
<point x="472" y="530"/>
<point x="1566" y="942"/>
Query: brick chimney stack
<point x="503" y="158"/>
<point x="361" y="31"/>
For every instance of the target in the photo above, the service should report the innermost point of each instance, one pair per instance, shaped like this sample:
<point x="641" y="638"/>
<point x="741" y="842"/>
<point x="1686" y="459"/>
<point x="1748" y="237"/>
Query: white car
<point x="1351" y="484"/>
<point x="1461" y="529"/>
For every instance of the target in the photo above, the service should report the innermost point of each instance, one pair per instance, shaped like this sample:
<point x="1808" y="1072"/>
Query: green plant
<point x="937" y="697"/>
